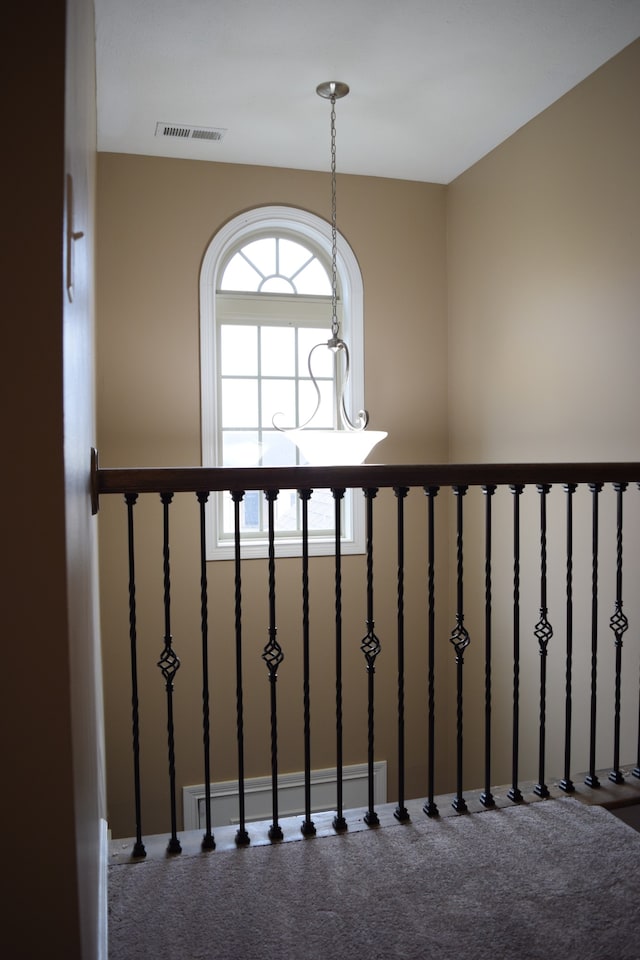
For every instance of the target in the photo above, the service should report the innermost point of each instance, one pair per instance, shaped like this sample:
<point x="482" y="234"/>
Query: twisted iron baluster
<point x="619" y="624"/>
<point x="339" y="822"/>
<point x="430" y="807"/>
<point x="208" y="842"/>
<point x="591" y="779"/>
<point x="307" y="828"/>
<point x="273" y="657"/>
<point x="370" y="646"/>
<point x="242" y="837"/>
<point x="138" y="847"/>
<point x="169" y="665"/>
<point x="543" y="632"/>
<point x="460" y="640"/>
<point x="401" y="813"/>
<point x="486" y="798"/>
<point x="566" y="783"/>
<point x="636" y="770"/>
<point x="515" y="793"/>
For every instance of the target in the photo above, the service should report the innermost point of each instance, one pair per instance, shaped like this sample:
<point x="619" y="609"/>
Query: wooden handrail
<point x="194" y="479"/>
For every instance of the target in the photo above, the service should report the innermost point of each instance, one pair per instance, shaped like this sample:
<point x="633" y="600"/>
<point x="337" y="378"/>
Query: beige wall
<point x="53" y="798"/>
<point x="543" y="283"/>
<point x="543" y="262"/>
<point x="155" y="219"/>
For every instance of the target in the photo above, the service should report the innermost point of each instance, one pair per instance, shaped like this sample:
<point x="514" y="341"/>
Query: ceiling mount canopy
<point x="332" y="90"/>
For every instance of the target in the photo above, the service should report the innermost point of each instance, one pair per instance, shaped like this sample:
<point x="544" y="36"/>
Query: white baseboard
<point x="224" y="795"/>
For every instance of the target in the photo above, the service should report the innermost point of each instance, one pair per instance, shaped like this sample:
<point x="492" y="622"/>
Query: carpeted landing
<point x="546" y="880"/>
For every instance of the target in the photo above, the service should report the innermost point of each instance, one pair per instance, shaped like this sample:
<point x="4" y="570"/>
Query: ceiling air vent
<point x="185" y="131"/>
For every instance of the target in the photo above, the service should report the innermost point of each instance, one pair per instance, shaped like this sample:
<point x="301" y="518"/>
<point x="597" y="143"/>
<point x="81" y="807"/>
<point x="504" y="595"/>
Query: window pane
<point x="321" y="513"/>
<point x="278" y="347"/>
<point x="277" y="285"/>
<point x="238" y="351"/>
<point x="249" y="513"/>
<point x="285" y="514"/>
<point x="278" y="397"/>
<point x="240" y="275"/>
<point x="262" y="253"/>
<point x="240" y="449"/>
<point x="292" y="256"/>
<point x="322" y="364"/>
<point x="239" y="403"/>
<point x="313" y="280"/>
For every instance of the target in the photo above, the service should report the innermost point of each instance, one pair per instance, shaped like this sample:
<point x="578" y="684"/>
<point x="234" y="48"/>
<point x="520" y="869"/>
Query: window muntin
<point x="276" y="264"/>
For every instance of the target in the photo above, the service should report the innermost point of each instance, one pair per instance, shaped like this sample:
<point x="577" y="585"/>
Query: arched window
<point x="265" y="301"/>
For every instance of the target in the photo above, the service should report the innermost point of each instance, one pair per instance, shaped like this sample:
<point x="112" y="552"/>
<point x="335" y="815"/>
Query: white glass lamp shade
<point x="335" y="448"/>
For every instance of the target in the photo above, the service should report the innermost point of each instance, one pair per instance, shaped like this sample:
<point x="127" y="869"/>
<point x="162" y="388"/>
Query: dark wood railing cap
<point x="108" y="480"/>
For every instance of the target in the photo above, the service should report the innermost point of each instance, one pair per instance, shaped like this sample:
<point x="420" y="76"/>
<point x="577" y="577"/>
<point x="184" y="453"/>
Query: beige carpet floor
<point x="532" y="882"/>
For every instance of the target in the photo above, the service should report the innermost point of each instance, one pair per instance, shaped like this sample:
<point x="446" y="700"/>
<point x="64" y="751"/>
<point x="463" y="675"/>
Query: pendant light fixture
<point x="348" y="442"/>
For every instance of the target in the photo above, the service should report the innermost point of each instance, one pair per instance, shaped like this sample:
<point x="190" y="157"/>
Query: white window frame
<point x="304" y="225"/>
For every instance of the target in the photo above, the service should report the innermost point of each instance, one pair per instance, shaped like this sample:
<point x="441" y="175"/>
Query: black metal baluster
<point x="169" y="665"/>
<point x="273" y="657"/>
<point x="460" y="640"/>
<point x="619" y="624"/>
<point x="636" y="770"/>
<point x="138" y="847"/>
<point x="486" y="798"/>
<point x="515" y="793"/>
<point x="339" y="822"/>
<point x="401" y="813"/>
<point x="430" y="806"/>
<point x="543" y="632"/>
<point x="242" y="836"/>
<point x="208" y="842"/>
<point x="591" y="779"/>
<point x="308" y="827"/>
<point x="566" y="783"/>
<point x="370" y="646"/>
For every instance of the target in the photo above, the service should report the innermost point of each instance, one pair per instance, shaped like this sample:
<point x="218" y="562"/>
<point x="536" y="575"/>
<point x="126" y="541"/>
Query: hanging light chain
<point x="342" y="423"/>
<point x="334" y="232"/>
<point x="333" y="90"/>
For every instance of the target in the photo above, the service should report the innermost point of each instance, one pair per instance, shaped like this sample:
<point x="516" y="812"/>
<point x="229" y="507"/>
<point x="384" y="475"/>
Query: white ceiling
<point x="435" y="84"/>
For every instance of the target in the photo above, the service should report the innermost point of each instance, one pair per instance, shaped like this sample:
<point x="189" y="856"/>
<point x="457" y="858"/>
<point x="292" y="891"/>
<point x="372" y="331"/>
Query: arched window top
<point x="298" y="225"/>
<point x="276" y="264"/>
